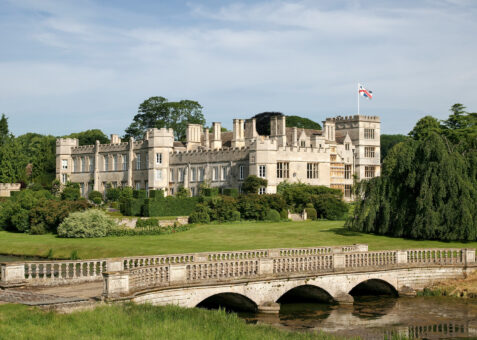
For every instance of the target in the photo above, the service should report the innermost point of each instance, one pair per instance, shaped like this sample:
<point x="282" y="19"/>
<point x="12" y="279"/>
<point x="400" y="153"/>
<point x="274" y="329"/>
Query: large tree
<point x="90" y="137"/>
<point x="388" y="142"/>
<point x="428" y="185"/>
<point x="4" y="132"/>
<point x="262" y="121"/>
<point x="158" y="112"/>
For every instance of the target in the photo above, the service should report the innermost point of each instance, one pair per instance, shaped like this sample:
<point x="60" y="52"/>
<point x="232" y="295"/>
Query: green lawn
<point x="214" y="237"/>
<point x="129" y="321"/>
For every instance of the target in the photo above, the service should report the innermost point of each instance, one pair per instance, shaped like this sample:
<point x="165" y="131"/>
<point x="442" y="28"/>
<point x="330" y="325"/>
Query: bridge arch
<point x="306" y="293"/>
<point x="229" y="301"/>
<point x="374" y="286"/>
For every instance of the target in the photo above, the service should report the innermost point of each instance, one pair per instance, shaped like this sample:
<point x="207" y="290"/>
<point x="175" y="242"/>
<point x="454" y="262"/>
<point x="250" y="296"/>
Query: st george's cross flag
<point x="365" y="93"/>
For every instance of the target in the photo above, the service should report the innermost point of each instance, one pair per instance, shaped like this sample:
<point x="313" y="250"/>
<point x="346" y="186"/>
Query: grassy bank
<point x="135" y="322"/>
<point x="464" y="288"/>
<point x="214" y="237"/>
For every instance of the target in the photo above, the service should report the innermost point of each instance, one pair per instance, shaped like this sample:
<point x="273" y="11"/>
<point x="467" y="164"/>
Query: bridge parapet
<point x="282" y="265"/>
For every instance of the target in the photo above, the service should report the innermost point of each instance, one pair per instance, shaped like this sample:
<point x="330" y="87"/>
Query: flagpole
<point x="358" y="98"/>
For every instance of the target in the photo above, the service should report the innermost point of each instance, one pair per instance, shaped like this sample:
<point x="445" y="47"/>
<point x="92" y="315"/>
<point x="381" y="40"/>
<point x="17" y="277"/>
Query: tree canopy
<point x="428" y="184"/>
<point x="90" y="137"/>
<point x="158" y="112"/>
<point x="388" y="141"/>
<point x="263" y="122"/>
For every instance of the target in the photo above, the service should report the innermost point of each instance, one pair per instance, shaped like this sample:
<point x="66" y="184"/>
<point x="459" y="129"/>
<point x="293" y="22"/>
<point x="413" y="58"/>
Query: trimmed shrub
<point x="97" y="200"/>
<point x="275" y="201"/>
<point x="252" y="207"/>
<point x="284" y="214"/>
<point x="156" y="195"/>
<point x="49" y="214"/>
<point x="94" y="196"/>
<point x="140" y="194"/>
<point x="311" y="213"/>
<point x="222" y="208"/>
<point x="200" y="214"/>
<point x="125" y="193"/>
<point x="122" y="231"/>
<point x="147" y="222"/>
<point x="252" y="183"/>
<point x="210" y="192"/>
<point x="113" y="194"/>
<point x="71" y="192"/>
<point x="86" y="224"/>
<point x="272" y="216"/>
<point x="330" y="207"/>
<point x="183" y="192"/>
<point x="232" y="192"/>
<point x="132" y="207"/>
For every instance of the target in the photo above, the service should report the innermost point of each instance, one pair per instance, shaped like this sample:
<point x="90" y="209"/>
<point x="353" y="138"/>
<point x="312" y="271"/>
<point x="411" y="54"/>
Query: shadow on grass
<point x="342" y="232"/>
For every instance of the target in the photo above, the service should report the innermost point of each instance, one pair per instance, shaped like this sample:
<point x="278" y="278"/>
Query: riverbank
<point x="211" y="237"/>
<point x="128" y="321"/>
<point x="462" y="288"/>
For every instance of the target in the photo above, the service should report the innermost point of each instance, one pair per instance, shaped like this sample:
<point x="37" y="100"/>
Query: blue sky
<point x="68" y="66"/>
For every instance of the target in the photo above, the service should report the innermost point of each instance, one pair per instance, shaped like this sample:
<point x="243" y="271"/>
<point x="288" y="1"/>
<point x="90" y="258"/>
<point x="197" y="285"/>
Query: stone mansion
<point x="346" y="146"/>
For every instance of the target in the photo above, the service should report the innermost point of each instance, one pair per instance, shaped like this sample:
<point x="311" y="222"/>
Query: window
<point x="64" y="164"/>
<point x="283" y="169"/>
<point x="83" y="164"/>
<point x="158" y="174"/>
<point x="147" y="161"/>
<point x="347" y="146"/>
<point x="241" y="172"/>
<point x="262" y="191"/>
<point x="146" y="185"/>
<point x="138" y="185"/>
<point x="368" y="133"/>
<point x="115" y="162"/>
<point x="106" y="163"/>
<point x="125" y="162"/>
<point x="64" y="178"/>
<point x="201" y="174"/>
<point x="347" y="190"/>
<point x="302" y="143"/>
<point x="172" y="175"/>
<point x="224" y="173"/>
<point x="172" y="191"/>
<point x="76" y="165"/>
<point x="138" y="161"/>
<point x="312" y="170"/>
<point x="180" y="175"/>
<point x="193" y="173"/>
<point x="369" y="151"/>
<point x="91" y="164"/>
<point x="215" y="173"/>
<point x="262" y="171"/>
<point x="369" y="171"/>
<point x="333" y="149"/>
<point x="333" y="158"/>
<point x="158" y="158"/>
<point x="115" y="185"/>
<point x="82" y="189"/>
<point x="347" y="172"/>
<point x="192" y="191"/>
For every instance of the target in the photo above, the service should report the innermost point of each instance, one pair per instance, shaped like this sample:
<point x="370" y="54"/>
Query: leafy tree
<point x="71" y="192"/>
<point x="158" y="112"/>
<point x="4" y="132"/>
<point x="262" y="121"/>
<point x="252" y="183"/>
<point x="40" y="153"/>
<point x="424" y="127"/>
<point x="90" y="137"/>
<point x="428" y="185"/>
<point x="13" y="162"/>
<point x="302" y="123"/>
<point x="388" y="141"/>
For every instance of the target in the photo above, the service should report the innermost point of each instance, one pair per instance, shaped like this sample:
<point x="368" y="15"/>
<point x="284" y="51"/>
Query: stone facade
<point x="345" y="147"/>
<point x="7" y="188"/>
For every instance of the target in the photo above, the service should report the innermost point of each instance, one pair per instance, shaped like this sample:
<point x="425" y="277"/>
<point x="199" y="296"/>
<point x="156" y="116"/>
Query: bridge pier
<point x="269" y="307"/>
<point x="343" y="298"/>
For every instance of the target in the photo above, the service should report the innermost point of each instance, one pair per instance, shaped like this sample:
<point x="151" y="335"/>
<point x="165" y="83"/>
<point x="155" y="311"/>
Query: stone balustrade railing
<point x="67" y="272"/>
<point x="278" y="263"/>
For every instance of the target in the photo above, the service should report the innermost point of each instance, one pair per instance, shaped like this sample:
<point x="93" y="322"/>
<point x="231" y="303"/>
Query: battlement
<point x="162" y="132"/>
<point x="354" y="118"/>
<point x="67" y="142"/>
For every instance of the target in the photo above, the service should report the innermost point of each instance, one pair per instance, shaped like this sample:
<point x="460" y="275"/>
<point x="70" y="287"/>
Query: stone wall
<point x="7" y="188"/>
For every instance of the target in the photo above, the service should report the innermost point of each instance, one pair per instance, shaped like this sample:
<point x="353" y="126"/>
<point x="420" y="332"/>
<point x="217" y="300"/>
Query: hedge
<point x="156" y="195"/>
<point x="209" y="192"/>
<point x="132" y="207"/>
<point x="140" y="194"/>
<point x="233" y="192"/>
<point x="170" y="206"/>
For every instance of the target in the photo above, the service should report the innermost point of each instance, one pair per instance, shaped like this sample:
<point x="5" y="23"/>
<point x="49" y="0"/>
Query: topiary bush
<point x="311" y="213"/>
<point x="95" y="196"/>
<point x="272" y="216"/>
<point x="200" y="214"/>
<point x="113" y="194"/>
<point x="86" y="224"/>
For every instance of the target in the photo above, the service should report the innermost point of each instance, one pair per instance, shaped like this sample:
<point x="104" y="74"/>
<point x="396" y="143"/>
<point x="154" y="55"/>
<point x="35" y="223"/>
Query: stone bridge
<point x="252" y="279"/>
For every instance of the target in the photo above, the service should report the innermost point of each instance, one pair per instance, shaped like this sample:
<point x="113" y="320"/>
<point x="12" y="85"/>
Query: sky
<point x="69" y="66"/>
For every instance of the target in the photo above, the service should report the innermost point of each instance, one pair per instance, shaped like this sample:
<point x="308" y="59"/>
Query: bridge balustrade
<point x="436" y="256"/>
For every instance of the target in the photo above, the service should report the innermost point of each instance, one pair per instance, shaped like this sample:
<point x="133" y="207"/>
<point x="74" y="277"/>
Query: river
<point x="380" y="317"/>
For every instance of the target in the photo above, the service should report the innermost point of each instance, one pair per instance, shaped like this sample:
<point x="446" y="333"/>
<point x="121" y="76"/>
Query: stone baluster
<point x="115" y="284"/>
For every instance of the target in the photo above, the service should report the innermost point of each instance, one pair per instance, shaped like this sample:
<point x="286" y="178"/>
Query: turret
<point x="64" y="161"/>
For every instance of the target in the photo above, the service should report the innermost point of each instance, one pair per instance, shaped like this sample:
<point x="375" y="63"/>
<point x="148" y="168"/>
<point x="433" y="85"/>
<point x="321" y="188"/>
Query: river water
<point x="12" y="258"/>
<point x="380" y="317"/>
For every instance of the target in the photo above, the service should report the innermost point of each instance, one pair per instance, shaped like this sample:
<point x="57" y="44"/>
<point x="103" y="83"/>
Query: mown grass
<point x="213" y="237"/>
<point x="130" y="321"/>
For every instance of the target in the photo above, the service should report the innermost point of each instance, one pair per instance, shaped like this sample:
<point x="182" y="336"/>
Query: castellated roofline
<point x="354" y="118"/>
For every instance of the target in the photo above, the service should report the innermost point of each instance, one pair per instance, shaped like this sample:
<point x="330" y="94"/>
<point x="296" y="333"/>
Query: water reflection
<point x="379" y="317"/>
